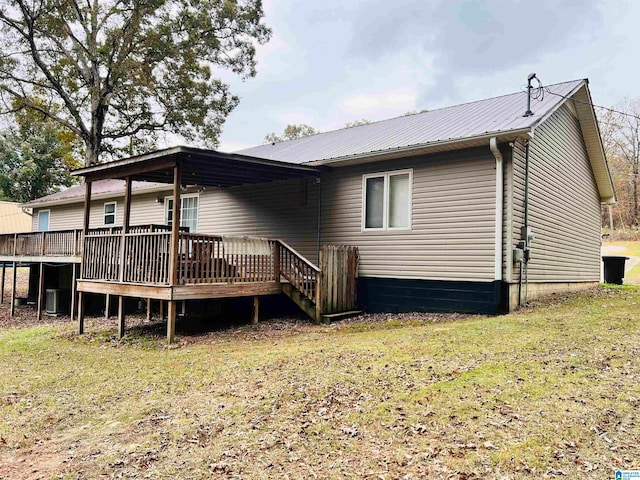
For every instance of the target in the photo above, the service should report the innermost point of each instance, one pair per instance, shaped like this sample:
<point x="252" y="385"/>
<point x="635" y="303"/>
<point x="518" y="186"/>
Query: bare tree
<point x="621" y="138"/>
<point x="117" y="70"/>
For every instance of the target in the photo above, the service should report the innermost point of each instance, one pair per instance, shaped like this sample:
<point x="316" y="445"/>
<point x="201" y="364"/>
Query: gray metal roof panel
<point x="493" y="115"/>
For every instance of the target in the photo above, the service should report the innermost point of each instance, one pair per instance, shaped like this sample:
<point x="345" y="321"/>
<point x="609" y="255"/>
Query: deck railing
<point x="212" y="259"/>
<point x="101" y="259"/>
<point x="63" y="243"/>
<point x="59" y="243"/>
<point x="201" y="259"/>
<point x="147" y="257"/>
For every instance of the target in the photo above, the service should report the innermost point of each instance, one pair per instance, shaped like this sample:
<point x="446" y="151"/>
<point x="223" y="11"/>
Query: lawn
<point x="552" y="391"/>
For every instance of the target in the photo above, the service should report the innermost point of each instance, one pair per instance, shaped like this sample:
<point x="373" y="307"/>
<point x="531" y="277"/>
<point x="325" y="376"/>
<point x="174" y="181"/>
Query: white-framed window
<point x="386" y="200"/>
<point x="110" y="213"/>
<point x="188" y="211"/>
<point x="43" y="220"/>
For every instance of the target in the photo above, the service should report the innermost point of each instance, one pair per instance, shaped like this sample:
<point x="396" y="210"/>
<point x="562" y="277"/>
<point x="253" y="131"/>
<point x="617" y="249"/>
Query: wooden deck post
<point x="74" y="291"/>
<point x="12" y="309"/>
<point x="40" y="290"/>
<point x="173" y="257"/>
<point x="85" y="231"/>
<point x="81" y="301"/>
<point x="123" y="256"/>
<point x="107" y="306"/>
<point x="4" y="271"/>
<point x="121" y="316"/>
<point x="161" y="310"/>
<point x="125" y="226"/>
<point x="13" y="288"/>
<point x="148" y="309"/>
<point x="276" y="261"/>
<point x="171" y="322"/>
<point x="256" y="310"/>
<point x="87" y="207"/>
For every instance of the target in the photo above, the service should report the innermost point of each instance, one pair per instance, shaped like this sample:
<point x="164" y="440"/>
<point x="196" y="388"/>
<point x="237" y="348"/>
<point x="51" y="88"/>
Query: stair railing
<point x="303" y="275"/>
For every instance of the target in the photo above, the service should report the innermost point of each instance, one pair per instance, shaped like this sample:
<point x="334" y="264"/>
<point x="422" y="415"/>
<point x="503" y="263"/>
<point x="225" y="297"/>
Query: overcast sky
<point x="336" y="61"/>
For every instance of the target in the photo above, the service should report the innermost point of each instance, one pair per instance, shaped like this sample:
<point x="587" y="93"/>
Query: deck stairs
<point x="323" y="293"/>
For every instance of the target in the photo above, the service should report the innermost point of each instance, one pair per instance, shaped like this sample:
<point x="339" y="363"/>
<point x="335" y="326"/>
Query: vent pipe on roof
<point x="531" y="76"/>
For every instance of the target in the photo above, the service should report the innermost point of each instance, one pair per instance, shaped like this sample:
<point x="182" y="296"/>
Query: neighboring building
<point x="435" y="202"/>
<point x="13" y="218"/>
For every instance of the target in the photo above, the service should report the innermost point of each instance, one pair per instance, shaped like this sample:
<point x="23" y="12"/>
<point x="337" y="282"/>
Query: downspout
<point x="493" y="145"/>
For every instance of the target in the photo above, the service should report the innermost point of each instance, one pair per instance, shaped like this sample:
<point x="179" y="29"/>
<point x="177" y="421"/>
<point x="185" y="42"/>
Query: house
<point x="13" y="218"/>
<point x="475" y="208"/>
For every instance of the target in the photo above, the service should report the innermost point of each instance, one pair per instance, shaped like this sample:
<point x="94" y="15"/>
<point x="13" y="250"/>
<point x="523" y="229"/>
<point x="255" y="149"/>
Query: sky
<point x="336" y="61"/>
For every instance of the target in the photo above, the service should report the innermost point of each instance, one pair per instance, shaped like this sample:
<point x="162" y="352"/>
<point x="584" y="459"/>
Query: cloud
<point x="472" y="37"/>
<point x="377" y="104"/>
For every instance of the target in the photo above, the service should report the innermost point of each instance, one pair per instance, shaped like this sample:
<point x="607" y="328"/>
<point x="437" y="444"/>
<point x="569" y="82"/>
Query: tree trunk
<point x="636" y="209"/>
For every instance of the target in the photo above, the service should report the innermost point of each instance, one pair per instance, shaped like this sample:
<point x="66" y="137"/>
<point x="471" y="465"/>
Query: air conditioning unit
<point x="54" y="303"/>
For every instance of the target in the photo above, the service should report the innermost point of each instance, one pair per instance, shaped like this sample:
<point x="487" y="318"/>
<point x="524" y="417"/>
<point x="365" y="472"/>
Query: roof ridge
<point x="405" y="115"/>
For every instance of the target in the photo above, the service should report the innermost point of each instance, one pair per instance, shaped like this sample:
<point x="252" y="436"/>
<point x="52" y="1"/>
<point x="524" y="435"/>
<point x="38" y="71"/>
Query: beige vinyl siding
<point x="452" y="218"/>
<point x="144" y="210"/>
<point x="272" y="210"/>
<point x="564" y="204"/>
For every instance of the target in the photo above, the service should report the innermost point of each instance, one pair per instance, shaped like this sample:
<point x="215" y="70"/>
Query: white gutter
<point x="437" y="146"/>
<point x="493" y="145"/>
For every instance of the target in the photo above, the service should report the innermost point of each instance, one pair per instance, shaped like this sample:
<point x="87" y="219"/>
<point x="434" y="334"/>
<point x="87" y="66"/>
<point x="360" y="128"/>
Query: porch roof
<point x="199" y="167"/>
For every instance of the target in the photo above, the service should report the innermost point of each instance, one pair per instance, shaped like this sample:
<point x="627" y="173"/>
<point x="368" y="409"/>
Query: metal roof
<point x="199" y="167"/>
<point x="100" y="189"/>
<point x="493" y="116"/>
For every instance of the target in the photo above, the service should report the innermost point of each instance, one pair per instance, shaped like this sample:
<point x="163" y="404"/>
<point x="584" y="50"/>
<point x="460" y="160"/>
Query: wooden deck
<point x="140" y="263"/>
<point x="208" y="266"/>
<point x="56" y="246"/>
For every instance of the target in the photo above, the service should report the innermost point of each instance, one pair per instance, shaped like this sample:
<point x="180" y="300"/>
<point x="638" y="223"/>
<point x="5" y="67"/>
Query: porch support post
<point x="85" y="231"/>
<point x="13" y="288"/>
<point x="256" y="310"/>
<point x="74" y="291"/>
<point x="40" y="290"/>
<point x="161" y="310"/>
<point x="13" y="281"/>
<point x="121" y="316"/>
<point x="4" y="271"/>
<point x="81" y="302"/>
<point x="107" y="305"/>
<point x="148" y="309"/>
<point x="171" y="321"/>
<point x="173" y="258"/>
<point x="87" y="208"/>
<point x="123" y="253"/>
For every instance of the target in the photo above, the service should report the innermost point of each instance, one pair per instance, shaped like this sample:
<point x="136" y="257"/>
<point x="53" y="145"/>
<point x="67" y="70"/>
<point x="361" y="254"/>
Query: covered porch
<point x="173" y="265"/>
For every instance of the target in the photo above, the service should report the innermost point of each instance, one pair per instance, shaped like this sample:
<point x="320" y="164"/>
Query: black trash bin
<point x="614" y="269"/>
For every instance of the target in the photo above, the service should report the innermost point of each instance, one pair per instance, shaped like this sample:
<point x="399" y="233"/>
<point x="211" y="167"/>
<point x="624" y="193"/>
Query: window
<point x="188" y="211"/>
<point x="387" y="200"/>
<point x="110" y="213"/>
<point x="43" y="220"/>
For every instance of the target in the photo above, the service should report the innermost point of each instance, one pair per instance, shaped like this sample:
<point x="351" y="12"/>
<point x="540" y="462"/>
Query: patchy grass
<point x="551" y="391"/>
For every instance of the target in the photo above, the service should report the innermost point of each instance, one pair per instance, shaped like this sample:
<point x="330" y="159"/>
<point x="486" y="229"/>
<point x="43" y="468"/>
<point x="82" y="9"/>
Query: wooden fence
<point x="339" y="265"/>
